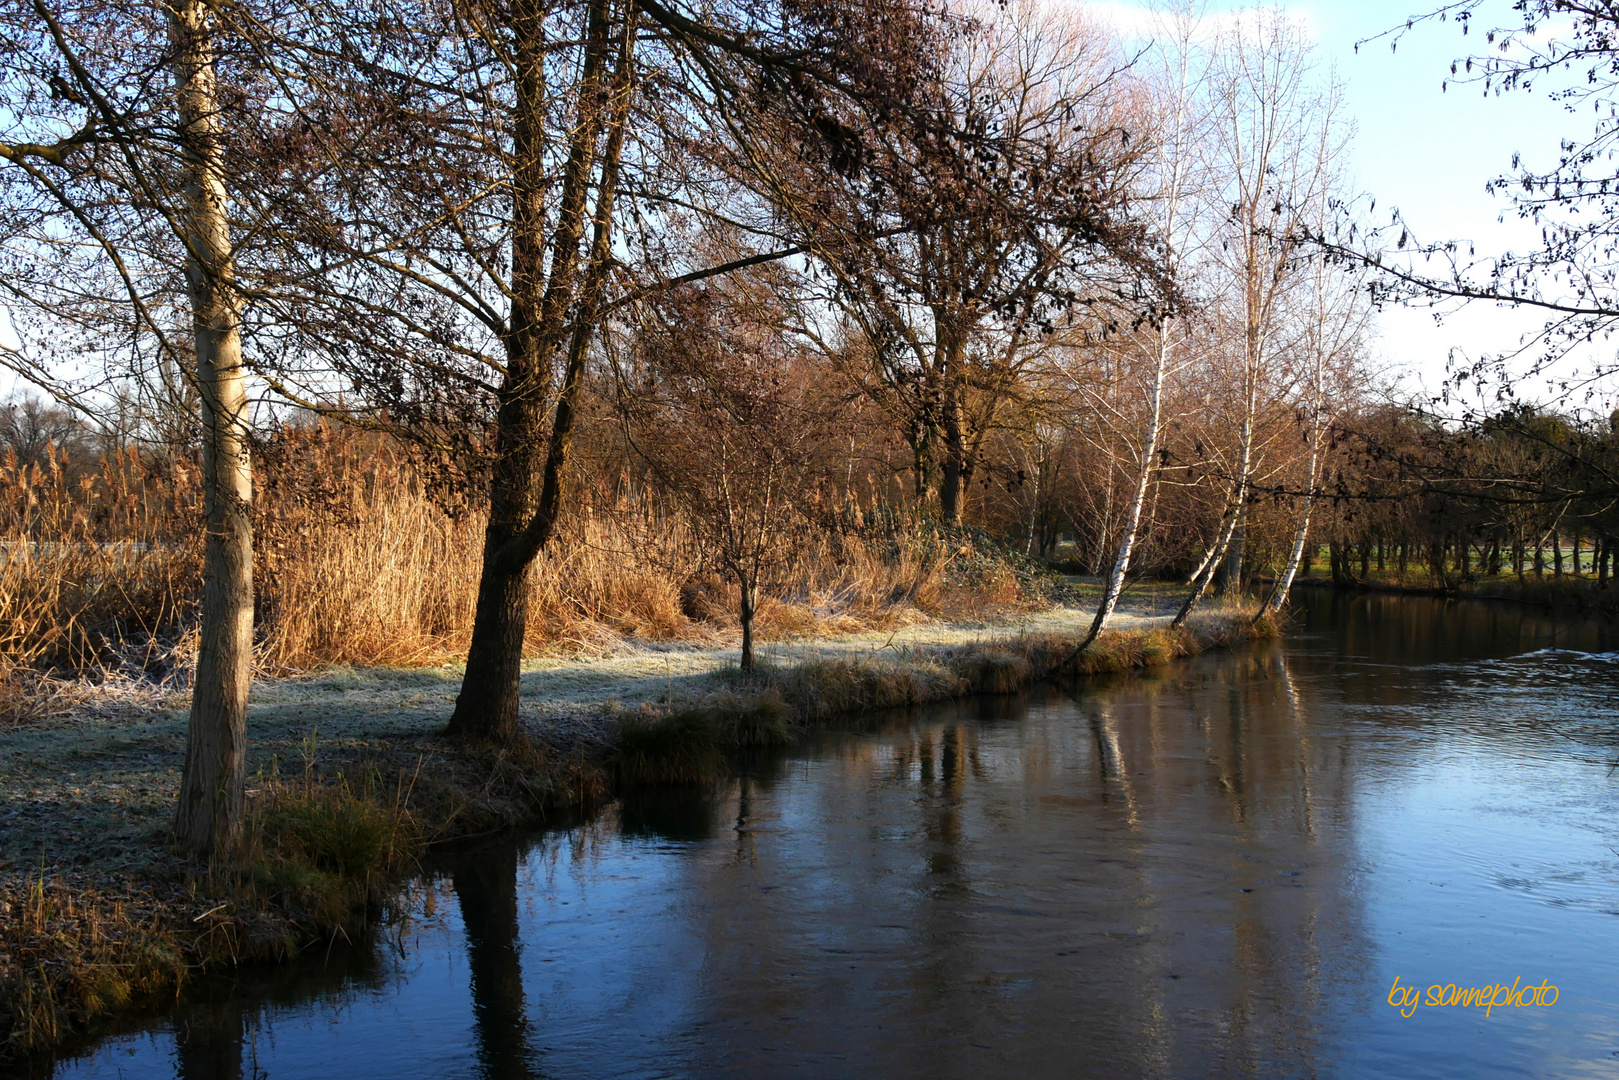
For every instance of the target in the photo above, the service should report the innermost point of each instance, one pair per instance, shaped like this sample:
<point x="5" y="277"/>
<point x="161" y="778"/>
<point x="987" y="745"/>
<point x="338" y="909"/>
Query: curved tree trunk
<point x="526" y="482"/>
<point x="1138" y="498"/>
<point x="1284" y="581"/>
<point x="1201" y="584"/>
<point x="209" y="814"/>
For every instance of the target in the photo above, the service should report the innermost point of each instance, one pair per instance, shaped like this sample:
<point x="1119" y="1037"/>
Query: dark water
<point x="1217" y="869"/>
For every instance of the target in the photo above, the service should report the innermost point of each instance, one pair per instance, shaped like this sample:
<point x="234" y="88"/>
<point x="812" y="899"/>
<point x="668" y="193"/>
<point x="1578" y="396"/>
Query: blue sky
<point x="1428" y="152"/>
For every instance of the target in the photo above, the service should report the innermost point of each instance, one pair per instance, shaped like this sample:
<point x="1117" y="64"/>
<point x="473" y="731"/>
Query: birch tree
<point x="1276" y="136"/>
<point x="1335" y="317"/>
<point x="1173" y="180"/>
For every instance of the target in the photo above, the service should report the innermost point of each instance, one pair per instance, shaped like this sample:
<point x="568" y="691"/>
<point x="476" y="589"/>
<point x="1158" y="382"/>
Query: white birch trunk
<point x="1284" y="582"/>
<point x="1138" y="498"/>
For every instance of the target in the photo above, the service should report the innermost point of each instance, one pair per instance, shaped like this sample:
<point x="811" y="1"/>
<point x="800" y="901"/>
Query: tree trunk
<point x="956" y="467"/>
<point x="1034" y="505"/>
<point x="1284" y="581"/>
<point x="526" y="478"/>
<point x="1231" y="566"/>
<point x="1132" y="515"/>
<point x="209" y="814"/>
<point x="1201" y="584"/>
<point x="750" y="601"/>
<point x="1557" y="555"/>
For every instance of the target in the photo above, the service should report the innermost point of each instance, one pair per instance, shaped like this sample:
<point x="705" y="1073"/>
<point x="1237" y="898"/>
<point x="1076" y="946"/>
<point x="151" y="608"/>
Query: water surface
<point x="1215" y="869"/>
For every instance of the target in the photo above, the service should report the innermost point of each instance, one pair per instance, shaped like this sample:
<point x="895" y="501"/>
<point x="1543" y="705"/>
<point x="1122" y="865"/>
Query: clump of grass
<point x="747" y="717"/>
<point x="681" y="747"/>
<point x="830" y="686"/>
<point x="74" y="955"/>
<point x="993" y="669"/>
<point x="325" y="855"/>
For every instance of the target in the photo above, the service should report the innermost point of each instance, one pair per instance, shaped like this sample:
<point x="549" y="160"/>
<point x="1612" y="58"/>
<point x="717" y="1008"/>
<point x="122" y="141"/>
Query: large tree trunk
<point x="208" y="817"/>
<point x="526" y="481"/>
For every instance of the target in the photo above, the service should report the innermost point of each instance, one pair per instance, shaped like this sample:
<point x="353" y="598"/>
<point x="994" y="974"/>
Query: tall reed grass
<point x="358" y="560"/>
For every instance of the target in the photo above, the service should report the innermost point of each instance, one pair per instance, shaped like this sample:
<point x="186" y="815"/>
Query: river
<point x="1218" y="868"/>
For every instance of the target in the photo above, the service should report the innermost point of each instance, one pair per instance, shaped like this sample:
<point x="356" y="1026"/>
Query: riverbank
<point x="350" y="782"/>
<point x="1583" y="594"/>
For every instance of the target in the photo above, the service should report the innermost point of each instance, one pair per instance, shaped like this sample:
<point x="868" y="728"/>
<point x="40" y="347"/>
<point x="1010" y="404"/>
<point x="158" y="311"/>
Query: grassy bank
<point x="1580" y="593"/>
<point x="350" y="785"/>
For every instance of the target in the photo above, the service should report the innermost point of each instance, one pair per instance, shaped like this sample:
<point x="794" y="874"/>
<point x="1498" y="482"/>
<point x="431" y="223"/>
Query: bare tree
<point x="1277" y="138"/>
<point x="728" y="419"/>
<point x="1173" y="180"/>
<point x="31" y="428"/>
<point x="454" y="271"/>
<point x="118" y="176"/>
<point x="1334" y="315"/>
<point x="948" y="238"/>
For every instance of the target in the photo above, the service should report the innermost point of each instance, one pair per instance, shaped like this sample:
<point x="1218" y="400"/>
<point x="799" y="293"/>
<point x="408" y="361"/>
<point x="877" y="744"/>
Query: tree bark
<point x="1138" y="498"/>
<point x="750" y="599"/>
<point x="526" y="480"/>
<point x="208" y="816"/>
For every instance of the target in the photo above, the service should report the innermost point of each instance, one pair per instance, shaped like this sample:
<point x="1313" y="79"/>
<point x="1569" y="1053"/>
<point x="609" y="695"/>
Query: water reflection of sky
<point x="1217" y="869"/>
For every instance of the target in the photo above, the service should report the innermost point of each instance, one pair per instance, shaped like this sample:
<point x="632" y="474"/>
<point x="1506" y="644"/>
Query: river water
<point x="1219" y="868"/>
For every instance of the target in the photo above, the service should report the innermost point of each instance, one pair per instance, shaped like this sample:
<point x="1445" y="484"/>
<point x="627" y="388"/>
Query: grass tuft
<point x="681" y="747"/>
<point x="750" y="717"/>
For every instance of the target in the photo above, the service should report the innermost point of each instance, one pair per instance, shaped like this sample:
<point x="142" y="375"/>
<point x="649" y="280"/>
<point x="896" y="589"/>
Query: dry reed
<point x="359" y="561"/>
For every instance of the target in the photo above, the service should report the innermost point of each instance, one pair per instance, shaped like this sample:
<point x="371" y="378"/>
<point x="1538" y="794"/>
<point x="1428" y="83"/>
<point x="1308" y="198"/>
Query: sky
<point x="1427" y="151"/>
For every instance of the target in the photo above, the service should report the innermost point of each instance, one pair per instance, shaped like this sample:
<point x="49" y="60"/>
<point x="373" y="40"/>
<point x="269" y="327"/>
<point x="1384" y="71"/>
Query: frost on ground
<point x="95" y="785"/>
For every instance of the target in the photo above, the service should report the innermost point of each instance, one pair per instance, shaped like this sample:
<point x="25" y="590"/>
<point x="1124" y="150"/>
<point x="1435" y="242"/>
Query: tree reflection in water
<point x="485" y="883"/>
<point x="208" y="1042"/>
